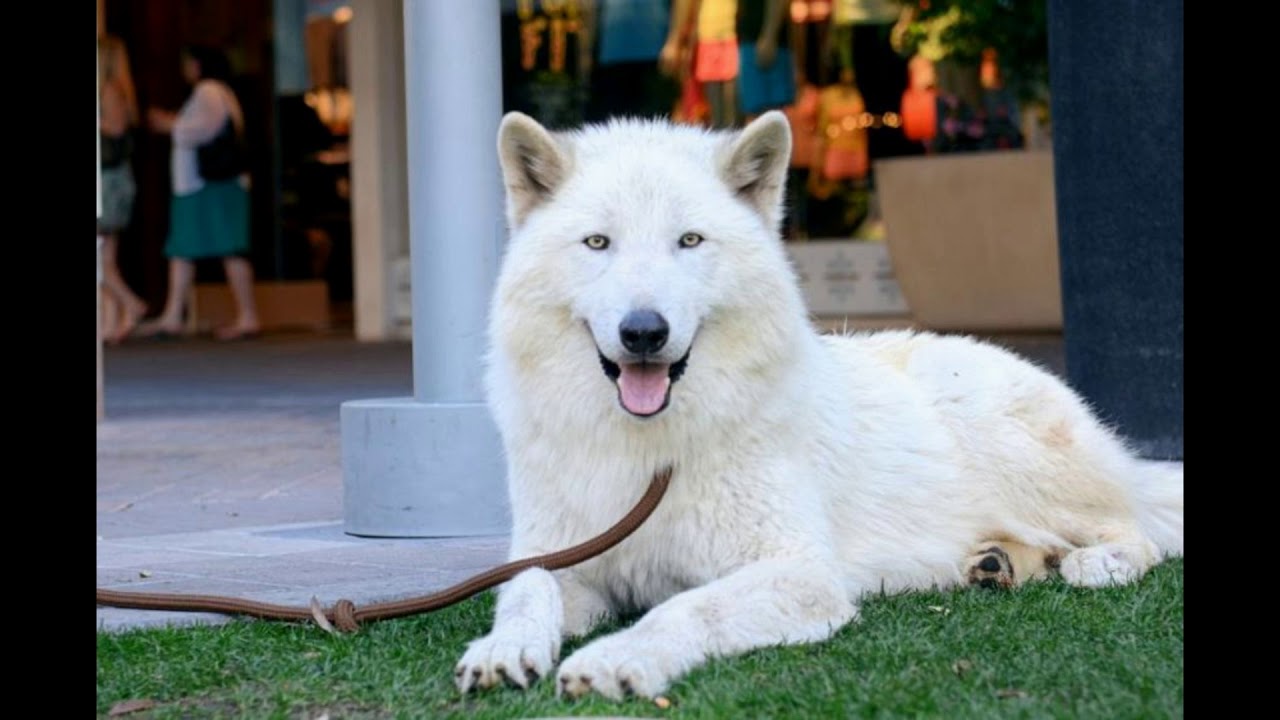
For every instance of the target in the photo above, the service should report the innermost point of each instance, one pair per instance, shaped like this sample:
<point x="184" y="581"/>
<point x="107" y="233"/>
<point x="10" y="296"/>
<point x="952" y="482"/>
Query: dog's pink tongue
<point x="643" y="388"/>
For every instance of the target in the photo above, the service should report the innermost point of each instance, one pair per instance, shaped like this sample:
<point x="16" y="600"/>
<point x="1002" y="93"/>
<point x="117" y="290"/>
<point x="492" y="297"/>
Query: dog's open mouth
<point x="644" y="388"/>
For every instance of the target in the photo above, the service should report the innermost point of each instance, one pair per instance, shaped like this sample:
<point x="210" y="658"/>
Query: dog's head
<point x="641" y="237"/>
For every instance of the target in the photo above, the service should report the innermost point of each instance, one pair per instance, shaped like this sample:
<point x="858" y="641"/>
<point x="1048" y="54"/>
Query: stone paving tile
<point x="427" y="555"/>
<point x="124" y="555"/>
<point x="391" y="587"/>
<point x="171" y="520"/>
<point x="289" y="570"/>
<point x="173" y="583"/>
<point x="235" y="542"/>
<point x="141" y="575"/>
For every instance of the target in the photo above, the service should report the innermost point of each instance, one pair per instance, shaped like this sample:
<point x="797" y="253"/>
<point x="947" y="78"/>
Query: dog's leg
<point x="1005" y="563"/>
<point x="780" y="601"/>
<point x="525" y="641"/>
<point x="584" y="608"/>
<point x="535" y="610"/>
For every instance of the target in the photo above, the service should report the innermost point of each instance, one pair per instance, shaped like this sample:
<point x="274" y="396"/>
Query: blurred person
<point x="118" y="116"/>
<point x="209" y="215"/>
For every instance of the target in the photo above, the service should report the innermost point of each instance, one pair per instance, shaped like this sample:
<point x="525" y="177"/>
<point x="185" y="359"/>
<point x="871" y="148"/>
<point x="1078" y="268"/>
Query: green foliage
<point x="1017" y="29"/>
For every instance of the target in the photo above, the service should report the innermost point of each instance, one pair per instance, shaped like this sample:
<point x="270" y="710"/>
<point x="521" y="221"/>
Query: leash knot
<point x="344" y="616"/>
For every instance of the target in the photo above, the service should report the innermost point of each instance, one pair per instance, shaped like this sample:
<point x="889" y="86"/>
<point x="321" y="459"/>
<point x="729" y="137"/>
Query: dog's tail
<point x="1158" y="493"/>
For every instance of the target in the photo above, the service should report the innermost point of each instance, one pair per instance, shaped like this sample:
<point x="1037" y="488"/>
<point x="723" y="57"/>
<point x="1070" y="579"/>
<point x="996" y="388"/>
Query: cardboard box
<point x="285" y="305"/>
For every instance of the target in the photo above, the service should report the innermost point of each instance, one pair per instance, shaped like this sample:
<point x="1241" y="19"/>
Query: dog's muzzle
<point x="644" y="383"/>
<point x="644" y="388"/>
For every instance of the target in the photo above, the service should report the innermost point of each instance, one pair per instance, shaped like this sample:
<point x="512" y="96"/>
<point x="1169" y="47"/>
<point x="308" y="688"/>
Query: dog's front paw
<point x="517" y="653"/>
<point x="615" y="666"/>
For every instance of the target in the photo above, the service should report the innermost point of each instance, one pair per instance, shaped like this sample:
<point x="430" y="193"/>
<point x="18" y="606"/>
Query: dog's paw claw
<point x="506" y="659"/>
<point x="614" y="668"/>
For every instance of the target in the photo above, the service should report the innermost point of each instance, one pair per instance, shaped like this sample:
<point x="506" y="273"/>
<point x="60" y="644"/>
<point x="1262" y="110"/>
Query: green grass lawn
<point x="1046" y="650"/>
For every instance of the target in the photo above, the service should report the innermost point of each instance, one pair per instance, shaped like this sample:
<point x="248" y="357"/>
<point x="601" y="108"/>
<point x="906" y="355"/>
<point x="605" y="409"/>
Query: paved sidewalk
<point x="219" y="472"/>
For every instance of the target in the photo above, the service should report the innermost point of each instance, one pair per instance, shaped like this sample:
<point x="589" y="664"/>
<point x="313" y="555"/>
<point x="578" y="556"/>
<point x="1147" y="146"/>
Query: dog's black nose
<point x="643" y="332"/>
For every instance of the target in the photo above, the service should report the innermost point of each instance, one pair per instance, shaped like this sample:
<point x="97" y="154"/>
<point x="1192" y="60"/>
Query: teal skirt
<point x="209" y="223"/>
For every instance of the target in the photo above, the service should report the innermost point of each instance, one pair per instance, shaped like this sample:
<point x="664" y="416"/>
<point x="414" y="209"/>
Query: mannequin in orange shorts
<point x="711" y="47"/>
<point x="716" y="59"/>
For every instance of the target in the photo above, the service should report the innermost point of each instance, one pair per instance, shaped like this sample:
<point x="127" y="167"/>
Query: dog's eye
<point x="596" y="242"/>
<point x="689" y="240"/>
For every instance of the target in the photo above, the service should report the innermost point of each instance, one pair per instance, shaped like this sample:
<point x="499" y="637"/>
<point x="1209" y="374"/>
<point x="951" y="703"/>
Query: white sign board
<point x="847" y="277"/>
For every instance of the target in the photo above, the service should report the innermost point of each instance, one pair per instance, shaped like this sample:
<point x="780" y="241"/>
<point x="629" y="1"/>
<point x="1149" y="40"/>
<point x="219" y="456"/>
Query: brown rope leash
<point x="347" y="617"/>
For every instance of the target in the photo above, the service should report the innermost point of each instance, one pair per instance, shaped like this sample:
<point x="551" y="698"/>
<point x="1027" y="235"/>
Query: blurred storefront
<point x="865" y="83"/>
<point x="862" y="82"/>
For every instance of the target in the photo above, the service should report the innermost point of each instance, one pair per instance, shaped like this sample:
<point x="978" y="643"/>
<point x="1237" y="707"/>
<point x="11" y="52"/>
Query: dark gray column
<point x="1116" y="83"/>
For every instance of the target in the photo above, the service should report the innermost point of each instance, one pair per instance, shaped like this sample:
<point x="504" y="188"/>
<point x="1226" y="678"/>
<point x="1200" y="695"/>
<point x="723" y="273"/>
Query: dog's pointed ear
<point x="533" y="165"/>
<point x="755" y="161"/>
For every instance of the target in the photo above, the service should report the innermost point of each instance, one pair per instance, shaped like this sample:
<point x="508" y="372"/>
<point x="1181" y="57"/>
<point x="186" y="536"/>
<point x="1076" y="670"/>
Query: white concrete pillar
<point x="98" y="156"/>
<point x="102" y="409"/>
<point x="432" y="465"/>
<point x="379" y="194"/>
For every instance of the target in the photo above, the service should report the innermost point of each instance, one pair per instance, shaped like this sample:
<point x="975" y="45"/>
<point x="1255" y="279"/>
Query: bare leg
<point x="721" y="98"/>
<point x="182" y="273"/>
<point x="110" y="312"/>
<point x="131" y="307"/>
<point x="240" y="278"/>
<point x="321" y="245"/>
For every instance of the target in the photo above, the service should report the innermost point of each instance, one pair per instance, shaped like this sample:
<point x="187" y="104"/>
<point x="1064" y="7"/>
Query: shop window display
<point x="313" y="115"/>
<point x="859" y="80"/>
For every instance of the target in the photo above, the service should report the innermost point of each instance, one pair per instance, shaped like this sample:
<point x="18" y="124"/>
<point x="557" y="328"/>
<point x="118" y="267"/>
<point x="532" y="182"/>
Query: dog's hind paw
<point x="990" y="567"/>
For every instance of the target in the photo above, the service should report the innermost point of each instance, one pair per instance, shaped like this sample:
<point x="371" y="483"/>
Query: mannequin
<point x="842" y="137"/>
<point x="716" y="61"/>
<point x="856" y="49"/>
<point x="803" y="117"/>
<point x="920" y="101"/>
<point x="766" y="78"/>
<point x="808" y="25"/>
<point x="627" y="78"/>
<point x="958" y="80"/>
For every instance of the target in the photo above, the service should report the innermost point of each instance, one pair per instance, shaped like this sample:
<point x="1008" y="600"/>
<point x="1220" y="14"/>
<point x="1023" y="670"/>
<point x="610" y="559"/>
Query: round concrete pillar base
<point x="412" y="469"/>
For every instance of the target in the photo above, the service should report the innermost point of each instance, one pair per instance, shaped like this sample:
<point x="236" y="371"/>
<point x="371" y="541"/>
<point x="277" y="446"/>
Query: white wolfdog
<point x="645" y="316"/>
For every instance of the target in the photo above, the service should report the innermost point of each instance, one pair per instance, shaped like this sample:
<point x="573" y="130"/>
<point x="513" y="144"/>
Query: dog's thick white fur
<point x="809" y="469"/>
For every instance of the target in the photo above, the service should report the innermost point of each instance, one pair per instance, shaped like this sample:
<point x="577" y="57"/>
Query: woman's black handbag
<point x="223" y="157"/>
<point x="116" y="150"/>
